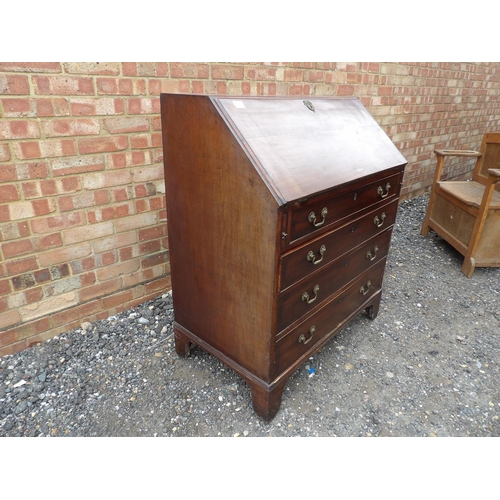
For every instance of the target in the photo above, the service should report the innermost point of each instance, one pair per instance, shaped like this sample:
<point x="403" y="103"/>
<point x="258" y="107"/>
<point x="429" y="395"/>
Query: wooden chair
<point x="467" y="213"/>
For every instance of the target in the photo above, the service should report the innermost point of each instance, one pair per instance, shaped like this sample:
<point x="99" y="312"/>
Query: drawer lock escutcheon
<point x="312" y="258"/>
<point x="379" y="221"/>
<point x="302" y="338"/>
<point x="364" y="289"/>
<point x="305" y="295"/>
<point x="372" y="256"/>
<point x="312" y="218"/>
<point x="380" y="191"/>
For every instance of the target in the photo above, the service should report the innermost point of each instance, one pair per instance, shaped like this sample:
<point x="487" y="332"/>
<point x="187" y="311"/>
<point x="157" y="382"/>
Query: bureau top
<point x="305" y="145"/>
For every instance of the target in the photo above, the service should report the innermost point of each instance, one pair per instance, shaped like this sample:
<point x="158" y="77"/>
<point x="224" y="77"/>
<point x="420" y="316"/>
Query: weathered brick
<point x="4" y="153"/>
<point x="121" y="269"/>
<point x="14" y="85"/>
<point x="28" y="209"/>
<point x="102" y="144"/>
<point x="63" y="85"/>
<point x="8" y="318"/>
<point x="94" y="68"/>
<point x="122" y="125"/>
<point x="81" y="313"/>
<point x="53" y="240"/>
<point x="84" y="233"/>
<point x="97" y="106"/>
<point x="113" y="242"/>
<point x="48" y="306"/>
<point x="106" y="179"/>
<point x="45" y="149"/>
<point x="19" y="129"/>
<point x="65" y="254"/>
<point x="71" y="166"/>
<point x="135" y="222"/>
<point x="71" y="127"/>
<point x="51" y="106"/>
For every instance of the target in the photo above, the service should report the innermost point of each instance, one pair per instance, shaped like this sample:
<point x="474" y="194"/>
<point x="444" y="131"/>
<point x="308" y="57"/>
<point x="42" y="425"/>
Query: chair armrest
<point x="457" y="152"/>
<point x="495" y="172"/>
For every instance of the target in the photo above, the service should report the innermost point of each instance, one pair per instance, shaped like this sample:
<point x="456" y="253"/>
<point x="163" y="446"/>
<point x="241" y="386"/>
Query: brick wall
<point x="82" y="209"/>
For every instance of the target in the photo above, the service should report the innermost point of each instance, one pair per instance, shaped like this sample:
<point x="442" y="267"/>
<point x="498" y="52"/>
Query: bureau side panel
<point x="222" y="223"/>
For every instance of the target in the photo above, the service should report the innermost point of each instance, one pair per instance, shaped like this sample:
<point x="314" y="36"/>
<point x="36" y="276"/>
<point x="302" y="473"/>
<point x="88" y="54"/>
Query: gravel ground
<point x="428" y="365"/>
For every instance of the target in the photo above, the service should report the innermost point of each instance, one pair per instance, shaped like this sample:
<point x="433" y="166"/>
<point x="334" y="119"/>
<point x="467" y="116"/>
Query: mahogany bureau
<point x="280" y="212"/>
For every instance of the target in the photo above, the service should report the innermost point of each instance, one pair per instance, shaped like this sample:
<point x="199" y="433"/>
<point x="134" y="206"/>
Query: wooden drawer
<point x="320" y="286"/>
<point x="299" y="263"/>
<point x="303" y="339"/>
<point x="319" y="213"/>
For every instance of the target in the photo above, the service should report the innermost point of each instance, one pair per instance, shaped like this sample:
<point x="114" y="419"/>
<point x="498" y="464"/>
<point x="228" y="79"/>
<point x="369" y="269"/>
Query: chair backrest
<point x="490" y="149"/>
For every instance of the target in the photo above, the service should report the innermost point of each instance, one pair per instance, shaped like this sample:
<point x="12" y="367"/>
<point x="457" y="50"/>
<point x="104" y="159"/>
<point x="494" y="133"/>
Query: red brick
<point x="21" y="266"/>
<point x="152" y="233"/>
<point x="100" y="289"/>
<point x="4" y="213"/>
<point x="149" y="247"/>
<point x="154" y="260"/>
<point x="17" y="248"/>
<point x="343" y="90"/>
<point x="140" y="141"/>
<point x="8" y="192"/>
<point x="5" y="287"/>
<point x="108" y="213"/>
<point x="8" y="173"/>
<point x="33" y="295"/>
<point x="15" y="106"/>
<point x="118" y="299"/>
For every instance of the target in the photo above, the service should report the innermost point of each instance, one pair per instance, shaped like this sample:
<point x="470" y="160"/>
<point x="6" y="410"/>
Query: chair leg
<point x="468" y="266"/>
<point x="424" y="230"/>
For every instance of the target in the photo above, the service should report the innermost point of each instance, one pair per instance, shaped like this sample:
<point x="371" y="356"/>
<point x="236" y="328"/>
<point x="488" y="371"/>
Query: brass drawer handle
<point x="380" y="191"/>
<point x="364" y="289"/>
<point x="305" y="295"/>
<point x="379" y="222"/>
<point x="302" y="338"/>
<point x="373" y="256"/>
<point x="312" y="218"/>
<point x="312" y="258"/>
